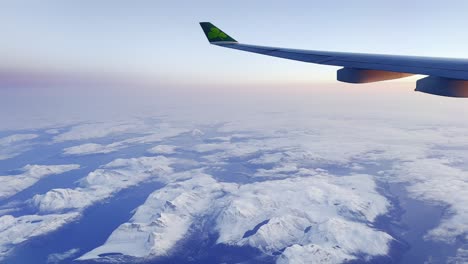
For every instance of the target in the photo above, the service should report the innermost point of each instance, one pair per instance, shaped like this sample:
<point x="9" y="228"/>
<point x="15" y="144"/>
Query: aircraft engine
<point x="443" y="86"/>
<point x="353" y="75"/>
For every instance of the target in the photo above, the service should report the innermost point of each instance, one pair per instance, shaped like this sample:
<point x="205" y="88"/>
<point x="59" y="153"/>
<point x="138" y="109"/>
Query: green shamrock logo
<point x="216" y="33"/>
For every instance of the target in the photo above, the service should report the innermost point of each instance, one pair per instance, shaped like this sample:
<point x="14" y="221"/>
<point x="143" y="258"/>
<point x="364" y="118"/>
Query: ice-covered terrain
<point x="437" y="180"/>
<point x="16" y="230"/>
<point x="102" y="183"/>
<point x="295" y="185"/>
<point x="332" y="213"/>
<point x="164" y="218"/>
<point x="60" y="206"/>
<point x="11" y="184"/>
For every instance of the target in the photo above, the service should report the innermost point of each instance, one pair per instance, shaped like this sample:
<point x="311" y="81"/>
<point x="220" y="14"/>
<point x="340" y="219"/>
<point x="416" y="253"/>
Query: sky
<point x="160" y="41"/>
<point x="78" y="60"/>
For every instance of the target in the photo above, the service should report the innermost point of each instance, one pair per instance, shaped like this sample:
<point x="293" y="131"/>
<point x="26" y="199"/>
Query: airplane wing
<point x="446" y="77"/>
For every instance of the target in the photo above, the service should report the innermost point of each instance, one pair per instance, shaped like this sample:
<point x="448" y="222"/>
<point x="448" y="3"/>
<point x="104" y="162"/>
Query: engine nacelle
<point x="443" y="86"/>
<point x="352" y="75"/>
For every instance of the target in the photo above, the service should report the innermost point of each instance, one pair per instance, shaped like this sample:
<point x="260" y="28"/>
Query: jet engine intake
<point x="443" y="86"/>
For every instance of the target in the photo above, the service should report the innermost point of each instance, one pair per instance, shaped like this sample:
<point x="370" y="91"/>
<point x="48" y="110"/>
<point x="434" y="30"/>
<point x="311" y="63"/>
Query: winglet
<point x="215" y="34"/>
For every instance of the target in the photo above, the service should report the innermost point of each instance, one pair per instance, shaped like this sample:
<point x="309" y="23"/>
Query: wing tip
<point x="214" y="34"/>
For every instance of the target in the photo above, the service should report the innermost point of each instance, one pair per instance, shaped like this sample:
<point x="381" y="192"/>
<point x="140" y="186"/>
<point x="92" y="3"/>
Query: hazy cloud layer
<point x="99" y="130"/>
<point x="14" y="145"/>
<point x="16" y="138"/>
<point x="151" y="134"/>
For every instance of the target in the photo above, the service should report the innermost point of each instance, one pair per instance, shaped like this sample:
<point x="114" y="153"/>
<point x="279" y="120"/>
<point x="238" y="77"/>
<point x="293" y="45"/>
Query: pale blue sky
<point x="162" y="39"/>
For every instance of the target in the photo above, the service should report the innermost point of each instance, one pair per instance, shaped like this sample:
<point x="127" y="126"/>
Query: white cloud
<point x="226" y="150"/>
<point x="13" y="145"/>
<point x="160" y="134"/>
<point x="283" y="170"/>
<point x="59" y="257"/>
<point x="92" y="148"/>
<point x="231" y="137"/>
<point x="99" y="130"/>
<point x="5" y="156"/>
<point x="461" y="257"/>
<point x="12" y="184"/>
<point x="268" y="158"/>
<point x="438" y="181"/>
<point x="340" y="141"/>
<point x="12" y="139"/>
<point x="163" y="131"/>
<point x="52" y="131"/>
<point x="197" y="133"/>
<point x="163" y="149"/>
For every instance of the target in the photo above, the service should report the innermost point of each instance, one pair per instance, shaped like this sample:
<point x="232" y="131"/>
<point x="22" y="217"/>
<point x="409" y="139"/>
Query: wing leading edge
<point x="446" y="77"/>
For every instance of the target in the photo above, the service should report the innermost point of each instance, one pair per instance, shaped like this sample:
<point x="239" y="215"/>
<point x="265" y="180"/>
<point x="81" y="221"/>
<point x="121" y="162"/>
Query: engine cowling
<point x="443" y="86"/>
<point x="353" y="75"/>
